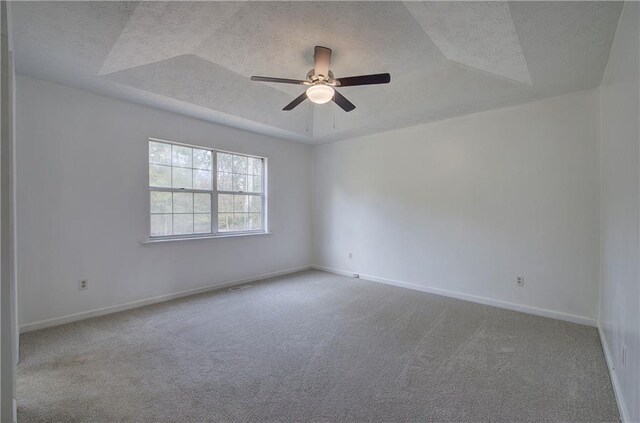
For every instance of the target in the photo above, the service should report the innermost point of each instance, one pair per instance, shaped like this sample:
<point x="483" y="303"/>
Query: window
<point x="196" y="191"/>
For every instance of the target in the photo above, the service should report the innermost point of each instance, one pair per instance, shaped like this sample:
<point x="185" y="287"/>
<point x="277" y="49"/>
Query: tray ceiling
<point x="445" y="58"/>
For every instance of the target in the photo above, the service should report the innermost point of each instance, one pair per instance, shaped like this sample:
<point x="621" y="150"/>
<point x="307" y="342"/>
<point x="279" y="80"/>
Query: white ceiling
<point x="445" y="58"/>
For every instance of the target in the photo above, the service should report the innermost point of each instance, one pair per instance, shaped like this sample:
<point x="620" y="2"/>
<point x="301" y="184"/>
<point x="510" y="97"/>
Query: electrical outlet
<point x="519" y="280"/>
<point x="350" y="255"/>
<point x="83" y="285"/>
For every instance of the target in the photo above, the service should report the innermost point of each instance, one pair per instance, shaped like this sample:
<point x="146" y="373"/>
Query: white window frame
<point x="214" y="195"/>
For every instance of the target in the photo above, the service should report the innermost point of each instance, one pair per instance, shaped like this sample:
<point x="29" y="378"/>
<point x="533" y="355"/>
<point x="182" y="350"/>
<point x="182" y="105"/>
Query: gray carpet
<point x="314" y="347"/>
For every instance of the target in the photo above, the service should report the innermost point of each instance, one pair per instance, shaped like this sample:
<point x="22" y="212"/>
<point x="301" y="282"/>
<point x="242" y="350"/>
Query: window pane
<point x="182" y="202"/>
<point x="255" y="221"/>
<point x="182" y="178"/>
<point x="240" y="203"/>
<point x="201" y="159"/>
<point x="225" y="221"/>
<point x="202" y="223"/>
<point x="159" y="153"/>
<point x="249" y="184"/>
<point x="202" y="179"/>
<point x="239" y="164"/>
<point x="240" y="222"/>
<point x="225" y="203"/>
<point x="159" y="176"/>
<point x="225" y="162"/>
<point x="224" y="182"/>
<point x="182" y="224"/>
<point x="239" y="182"/>
<point x="161" y="225"/>
<point x="255" y="183"/>
<point x="255" y="204"/>
<point x="255" y="166"/>
<point x="160" y="202"/>
<point x="258" y="167"/>
<point x="202" y="203"/>
<point x="181" y="156"/>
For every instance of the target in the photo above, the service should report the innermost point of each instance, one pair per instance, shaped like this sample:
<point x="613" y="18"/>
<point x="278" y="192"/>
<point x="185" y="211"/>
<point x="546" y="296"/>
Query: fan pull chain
<point x="334" y="117"/>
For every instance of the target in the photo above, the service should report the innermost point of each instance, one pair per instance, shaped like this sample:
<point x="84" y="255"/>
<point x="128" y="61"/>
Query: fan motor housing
<point x="313" y="78"/>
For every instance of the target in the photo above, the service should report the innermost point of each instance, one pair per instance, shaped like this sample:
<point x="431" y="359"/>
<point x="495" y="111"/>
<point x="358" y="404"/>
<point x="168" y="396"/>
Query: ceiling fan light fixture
<point x="320" y="94"/>
<point x="321" y="81"/>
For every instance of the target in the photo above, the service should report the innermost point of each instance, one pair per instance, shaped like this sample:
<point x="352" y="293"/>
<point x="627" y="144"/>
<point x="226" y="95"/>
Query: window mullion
<point x="263" y="214"/>
<point x="214" y="199"/>
<point x="168" y="189"/>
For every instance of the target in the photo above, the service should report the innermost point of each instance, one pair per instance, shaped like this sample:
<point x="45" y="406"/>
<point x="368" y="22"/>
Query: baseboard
<point x="468" y="297"/>
<point x="41" y="324"/>
<point x="617" y="390"/>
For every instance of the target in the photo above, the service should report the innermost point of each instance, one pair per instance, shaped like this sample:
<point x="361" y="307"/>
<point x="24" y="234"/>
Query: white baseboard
<point x="468" y="297"/>
<point x="41" y="324"/>
<point x="617" y="390"/>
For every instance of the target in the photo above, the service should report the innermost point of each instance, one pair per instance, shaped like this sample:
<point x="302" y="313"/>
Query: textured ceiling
<point x="445" y="58"/>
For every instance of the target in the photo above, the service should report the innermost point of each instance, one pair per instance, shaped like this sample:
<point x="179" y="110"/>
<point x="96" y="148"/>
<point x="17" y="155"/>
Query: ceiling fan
<point x="322" y="83"/>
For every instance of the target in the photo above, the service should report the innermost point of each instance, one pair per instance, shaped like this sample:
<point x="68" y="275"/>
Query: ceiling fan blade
<point x="341" y="101"/>
<point x="279" y="80"/>
<point x="322" y="60"/>
<point x="350" y="81"/>
<point x="295" y="102"/>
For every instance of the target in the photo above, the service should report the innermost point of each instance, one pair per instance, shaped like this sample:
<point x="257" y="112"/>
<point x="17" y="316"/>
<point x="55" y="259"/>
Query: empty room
<point x="376" y="211"/>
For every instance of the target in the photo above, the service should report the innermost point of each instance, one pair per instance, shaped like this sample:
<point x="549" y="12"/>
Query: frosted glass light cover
<point x="320" y="94"/>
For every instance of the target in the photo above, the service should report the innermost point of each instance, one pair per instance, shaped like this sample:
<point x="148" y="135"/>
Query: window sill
<point x="191" y="238"/>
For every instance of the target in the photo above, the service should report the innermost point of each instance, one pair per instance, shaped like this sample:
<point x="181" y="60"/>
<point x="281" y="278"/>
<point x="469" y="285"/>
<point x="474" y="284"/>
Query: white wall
<point x="620" y="289"/>
<point x="469" y="203"/>
<point x="82" y="204"/>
